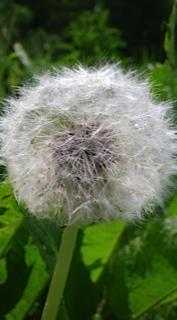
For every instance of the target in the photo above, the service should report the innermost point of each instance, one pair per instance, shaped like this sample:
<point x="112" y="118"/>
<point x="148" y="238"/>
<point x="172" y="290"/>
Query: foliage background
<point x="119" y="271"/>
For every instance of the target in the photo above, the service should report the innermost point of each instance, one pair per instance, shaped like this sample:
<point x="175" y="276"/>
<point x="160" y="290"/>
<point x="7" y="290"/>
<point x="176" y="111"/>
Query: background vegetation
<point x="119" y="271"/>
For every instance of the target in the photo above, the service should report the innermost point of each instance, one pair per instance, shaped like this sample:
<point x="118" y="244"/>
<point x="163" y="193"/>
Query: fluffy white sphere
<point x="88" y="144"/>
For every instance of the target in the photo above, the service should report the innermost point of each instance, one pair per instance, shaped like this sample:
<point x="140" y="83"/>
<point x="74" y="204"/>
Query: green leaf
<point x="23" y="272"/>
<point x="36" y="282"/>
<point x="10" y="217"/>
<point x="79" y="296"/>
<point x="98" y="243"/>
<point x="143" y="273"/>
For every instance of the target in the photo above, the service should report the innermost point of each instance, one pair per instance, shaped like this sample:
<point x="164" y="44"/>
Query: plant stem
<point x="60" y="274"/>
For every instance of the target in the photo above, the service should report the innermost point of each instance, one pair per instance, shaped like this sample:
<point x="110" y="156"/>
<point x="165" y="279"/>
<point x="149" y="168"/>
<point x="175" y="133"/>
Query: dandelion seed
<point x="88" y="144"/>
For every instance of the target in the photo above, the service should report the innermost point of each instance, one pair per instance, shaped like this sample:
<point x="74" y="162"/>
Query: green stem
<point x="60" y="274"/>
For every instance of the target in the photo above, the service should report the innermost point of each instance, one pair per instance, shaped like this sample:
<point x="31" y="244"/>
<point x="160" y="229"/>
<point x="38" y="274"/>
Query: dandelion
<point x="88" y="144"/>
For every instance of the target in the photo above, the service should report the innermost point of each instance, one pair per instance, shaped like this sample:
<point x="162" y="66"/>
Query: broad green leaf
<point x="80" y="296"/>
<point x="156" y="286"/>
<point x="36" y="282"/>
<point x="10" y="217"/>
<point x="98" y="243"/>
<point x="23" y="273"/>
<point x="47" y="236"/>
<point x="143" y="273"/>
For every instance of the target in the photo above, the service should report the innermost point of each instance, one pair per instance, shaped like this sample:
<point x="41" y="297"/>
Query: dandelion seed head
<point x="88" y="144"/>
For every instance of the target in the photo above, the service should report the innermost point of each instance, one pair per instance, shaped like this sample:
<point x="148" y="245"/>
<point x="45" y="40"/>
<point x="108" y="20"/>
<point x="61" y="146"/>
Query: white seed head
<point x="88" y="144"/>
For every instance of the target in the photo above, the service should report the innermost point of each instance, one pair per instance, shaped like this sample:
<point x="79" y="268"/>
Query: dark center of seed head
<point x="83" y="153"/>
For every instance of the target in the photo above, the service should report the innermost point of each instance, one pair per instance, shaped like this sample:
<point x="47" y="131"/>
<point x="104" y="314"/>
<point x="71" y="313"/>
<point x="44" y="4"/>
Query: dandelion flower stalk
<point x="83" y="145"/>
<point x="60" y="273"/>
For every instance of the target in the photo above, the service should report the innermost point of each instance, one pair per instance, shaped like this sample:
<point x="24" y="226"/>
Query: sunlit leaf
<point x="143" y="273"/>
<point x="98" y="242"/>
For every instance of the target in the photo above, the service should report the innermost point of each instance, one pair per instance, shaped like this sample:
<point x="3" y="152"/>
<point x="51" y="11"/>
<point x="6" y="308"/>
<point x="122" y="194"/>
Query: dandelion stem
<point x="60" y="274"/>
